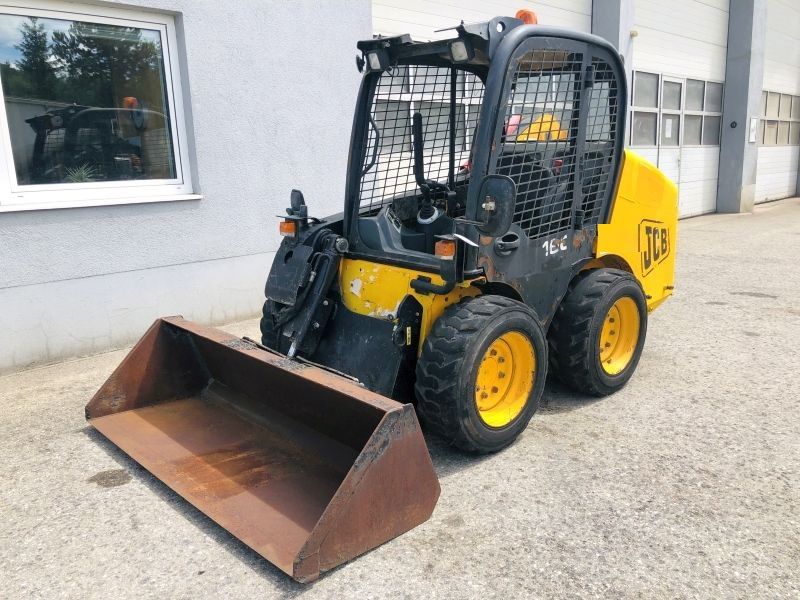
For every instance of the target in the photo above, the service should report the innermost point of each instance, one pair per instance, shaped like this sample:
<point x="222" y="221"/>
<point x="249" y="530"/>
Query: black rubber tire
<point x="269" y="332"/>
<point x="448" y="365"/>
<point x="574" y="333"/>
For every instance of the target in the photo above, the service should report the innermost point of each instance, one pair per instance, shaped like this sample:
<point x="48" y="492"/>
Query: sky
<point x="10" y="33"/>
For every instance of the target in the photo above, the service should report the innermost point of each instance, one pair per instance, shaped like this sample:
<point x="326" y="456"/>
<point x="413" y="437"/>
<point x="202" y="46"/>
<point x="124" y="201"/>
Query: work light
<point x="378" y="60"/>
<point x="461" y="51"/>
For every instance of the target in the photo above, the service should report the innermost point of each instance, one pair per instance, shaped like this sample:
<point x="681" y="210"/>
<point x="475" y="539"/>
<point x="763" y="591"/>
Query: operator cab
<point x="420" y="127"/>
<point x="420" y="110"/>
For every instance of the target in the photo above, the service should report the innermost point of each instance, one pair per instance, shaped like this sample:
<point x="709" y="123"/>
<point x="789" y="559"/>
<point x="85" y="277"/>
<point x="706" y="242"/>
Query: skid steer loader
<point x="494" y="228"/>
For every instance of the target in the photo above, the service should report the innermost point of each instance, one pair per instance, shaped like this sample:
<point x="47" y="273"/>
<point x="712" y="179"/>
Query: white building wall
<point x="782" y="47"/>
<point x="421" y="18"/>
<point x="268" y="111"/>
<point x="684" y="39"/>
<point x="777" y="172"/>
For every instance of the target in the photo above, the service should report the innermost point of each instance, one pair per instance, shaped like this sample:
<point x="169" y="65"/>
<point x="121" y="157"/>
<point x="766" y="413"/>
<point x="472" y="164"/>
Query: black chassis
<point x="367" y="348"/>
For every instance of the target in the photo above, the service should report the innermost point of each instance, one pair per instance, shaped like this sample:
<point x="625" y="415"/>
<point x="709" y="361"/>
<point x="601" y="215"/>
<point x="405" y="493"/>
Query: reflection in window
<point x="692" y="128"/>
<point x="780" y="119"/>
<point x="773" y="104"/>
<point x="695" y="91"/>
<point x="771" y="133"/>
<point x="713" y="97"/>
<point x="645" y="90"/>
<point x="711" y="131"/>
<point x="783" y="133"/>
<point x="794" y="134"/>
<point x="644" y="129"/>
<point x="785" y="111"/>
<point x="85" y="102"/>
<point x="671" y="95"/>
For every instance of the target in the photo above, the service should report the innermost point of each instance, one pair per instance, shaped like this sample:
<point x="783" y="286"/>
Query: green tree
<point x="38" y="75"/>
<point x="100" y="64"/>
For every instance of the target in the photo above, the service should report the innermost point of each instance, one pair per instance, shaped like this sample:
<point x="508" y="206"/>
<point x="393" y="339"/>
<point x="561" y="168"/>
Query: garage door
<point x="779" y="133"/>
<point x="421" y="17"/>
<point x="679" y="66"/>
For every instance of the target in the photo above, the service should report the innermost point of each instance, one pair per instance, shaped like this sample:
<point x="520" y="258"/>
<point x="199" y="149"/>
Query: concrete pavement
<point x="684" y="484"/>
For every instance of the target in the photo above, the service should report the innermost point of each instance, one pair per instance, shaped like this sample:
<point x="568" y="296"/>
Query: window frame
<point x="16" y="197"/>
<point x="646" y="109"/>
<point x="671" y="112"/>
<point x="792" y="121"/>
<point x="681" y="113"/>
<point x="705" y="113"/>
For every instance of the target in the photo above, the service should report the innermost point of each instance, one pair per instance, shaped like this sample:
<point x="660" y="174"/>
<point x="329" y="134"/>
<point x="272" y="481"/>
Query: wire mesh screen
<point x="388" y="170"/>
<point x="601" y="134"/>
<point x="538" y="144"/>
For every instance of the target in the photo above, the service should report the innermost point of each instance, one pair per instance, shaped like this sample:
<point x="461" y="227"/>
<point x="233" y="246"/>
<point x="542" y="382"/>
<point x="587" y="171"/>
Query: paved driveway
<point x="683" y="484"/>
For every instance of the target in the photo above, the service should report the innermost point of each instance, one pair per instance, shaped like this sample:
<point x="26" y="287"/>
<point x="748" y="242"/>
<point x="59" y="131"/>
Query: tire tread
<point x="571" y="358"/>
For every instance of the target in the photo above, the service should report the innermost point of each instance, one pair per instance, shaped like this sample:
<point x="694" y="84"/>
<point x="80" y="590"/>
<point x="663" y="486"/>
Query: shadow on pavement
<point x="559" y="398"/>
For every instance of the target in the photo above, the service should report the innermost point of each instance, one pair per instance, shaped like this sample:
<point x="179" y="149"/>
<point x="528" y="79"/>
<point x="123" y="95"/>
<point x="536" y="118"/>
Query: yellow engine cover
<point x="643" y="226"/>
<point x="376" y="290"/>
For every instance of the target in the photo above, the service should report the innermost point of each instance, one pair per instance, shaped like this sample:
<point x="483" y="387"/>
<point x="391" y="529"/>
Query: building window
<point x="644" y="118"/>
<point x="780" y="119"/>
<point x="91" y="109"/>
<point x="687" y="112"/>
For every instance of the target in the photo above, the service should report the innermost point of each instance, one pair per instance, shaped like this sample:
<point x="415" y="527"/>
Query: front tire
<point x="481" y="373"/>
<point x="269" y="330"/>
<point x="598" y="332"/>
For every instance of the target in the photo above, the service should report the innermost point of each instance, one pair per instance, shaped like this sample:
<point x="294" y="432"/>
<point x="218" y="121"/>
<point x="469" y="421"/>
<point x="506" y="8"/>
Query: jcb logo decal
<point x="654" y="244"/>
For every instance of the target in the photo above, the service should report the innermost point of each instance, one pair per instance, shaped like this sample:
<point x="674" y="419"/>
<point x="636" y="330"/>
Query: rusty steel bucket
<point x="306" y="467"/>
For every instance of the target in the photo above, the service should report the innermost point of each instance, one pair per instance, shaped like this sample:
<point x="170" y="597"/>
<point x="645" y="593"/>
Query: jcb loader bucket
<point x="304" y="466"/>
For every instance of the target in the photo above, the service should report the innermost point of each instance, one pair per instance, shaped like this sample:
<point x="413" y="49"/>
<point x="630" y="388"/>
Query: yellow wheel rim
<point x="619" y="335"/>
<point x="505" y="379"/>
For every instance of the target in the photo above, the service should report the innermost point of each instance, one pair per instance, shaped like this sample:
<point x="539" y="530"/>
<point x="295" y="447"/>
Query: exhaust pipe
<point x="307" y="468"/>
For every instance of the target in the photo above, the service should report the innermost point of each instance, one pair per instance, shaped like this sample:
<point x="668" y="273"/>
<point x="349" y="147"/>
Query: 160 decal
<point x="654" y="244"/>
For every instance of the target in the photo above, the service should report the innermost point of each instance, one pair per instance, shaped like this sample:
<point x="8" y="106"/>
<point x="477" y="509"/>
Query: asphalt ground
<point x="684" y="484"/>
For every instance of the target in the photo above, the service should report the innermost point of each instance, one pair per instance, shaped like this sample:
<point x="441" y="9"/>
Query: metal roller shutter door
<point x="684" y="43"/>
<point x="778" y="160"/>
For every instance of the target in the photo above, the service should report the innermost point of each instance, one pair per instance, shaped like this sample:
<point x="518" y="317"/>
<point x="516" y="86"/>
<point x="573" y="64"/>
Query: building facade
<point x="684" y="105"/>
<point x="149" y="144"/>
<point x="163" y="200"/>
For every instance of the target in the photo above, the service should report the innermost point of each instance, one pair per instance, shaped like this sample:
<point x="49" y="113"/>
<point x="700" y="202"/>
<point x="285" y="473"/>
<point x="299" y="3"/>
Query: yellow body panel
<point x="376" y="290"/>
<point x="543" y="129"/>
<point x="643" y="227"/>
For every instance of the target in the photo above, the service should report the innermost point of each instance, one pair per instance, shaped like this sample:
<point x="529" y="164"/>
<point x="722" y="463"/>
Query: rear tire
<point x="598" y="332"/>
<point x="481" y="373"/>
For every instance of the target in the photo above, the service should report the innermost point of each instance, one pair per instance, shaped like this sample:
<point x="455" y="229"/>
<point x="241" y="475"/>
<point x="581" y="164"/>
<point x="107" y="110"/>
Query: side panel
<point x="642" y="227"/>
<point x="377" y="290"/>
